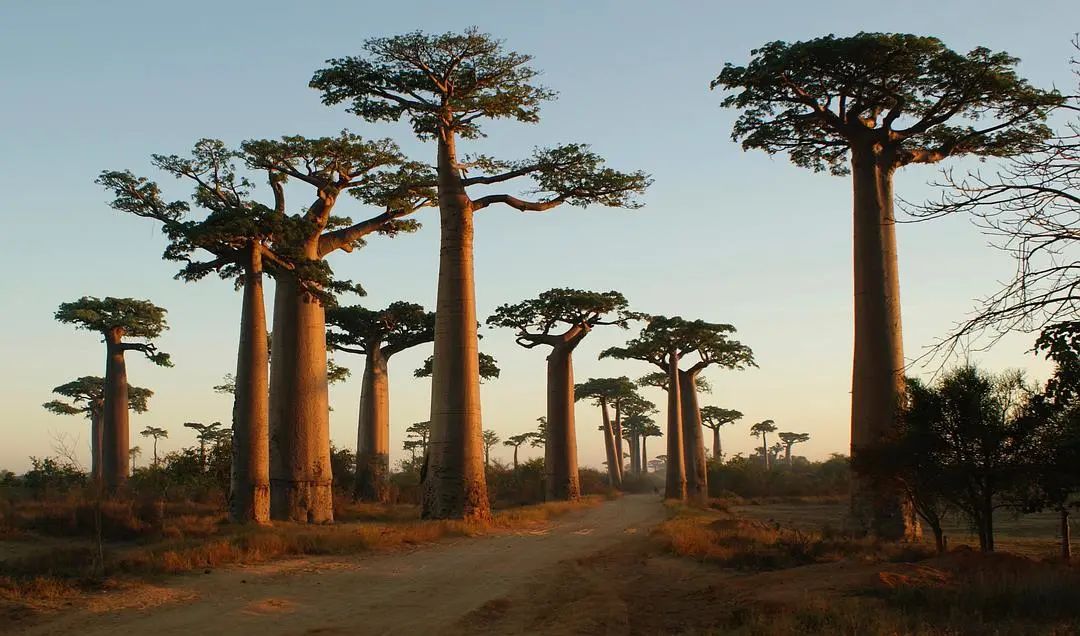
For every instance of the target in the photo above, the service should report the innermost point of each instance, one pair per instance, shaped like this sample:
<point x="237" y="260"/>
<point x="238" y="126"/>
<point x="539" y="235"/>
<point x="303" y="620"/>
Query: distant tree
<point x="156" y="433"/>
<point x="377" y="335"/>
<point x="446" y="85"/>
<point x="86" y="397"/>
<point x="666" y="342"/>
<point x="116" y="319"/>
<point x="632" y="417"/>
<point x="489" y="368"/>
<point x="604" y="392"/>
<point x="560" y="319"/>
<point x="134" y="453"/>
<point x="205" y="434"/>
<point x="788" y="440"/>
<point x="540" y="435"/>
<point x="762" y="429"/>
<point x="658" y="464"/>
<point x="886" y="100"/>
<point x="490" y="439"/>
<point x="713" y="417"/>
<point x="517" y="441"/>
<point x="416" y="437"/>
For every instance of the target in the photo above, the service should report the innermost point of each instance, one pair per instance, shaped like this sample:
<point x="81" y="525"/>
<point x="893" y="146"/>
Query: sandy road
<point x="420" y="592"/>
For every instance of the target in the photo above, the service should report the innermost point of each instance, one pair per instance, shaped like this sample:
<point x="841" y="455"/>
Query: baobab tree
<point x="489" y="368"/>
<point x="665" y="342"/>
<point x="713" y="417"/>
<point x="156" y="433"/>
<point x="762" y="429"/>
<point x="633" y="412"/>
<point x="205" y="434"/>
<point x="416" y="437"/>
<point x="376" y="335"/>
<point x="517" y="441"/>
<point x="490" y="439"/>
<point x="116" y="319"/>
<point x="445" y="86"/>
<point x="604" y="392"/>
<point x="560" y="319"/>
<point x="790" y="439"/>
<point x="134" y="453"/>
<point x="86" y="397"/>
<point x="649" y="428"/>
<point x="867" y="105"/>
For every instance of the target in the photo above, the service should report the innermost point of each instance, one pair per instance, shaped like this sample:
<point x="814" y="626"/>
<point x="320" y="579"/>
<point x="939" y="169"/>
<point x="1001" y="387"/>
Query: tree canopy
<point x="663" y="337"/>
<point x="579" y="311"/>
<point x="489" y="367"/>
<point x="87" y="395"/>
<point x="133" y="318"/>
<point x="714" y="416"/>
<point x="399" y="326"/>
<point x="604" y="390"/>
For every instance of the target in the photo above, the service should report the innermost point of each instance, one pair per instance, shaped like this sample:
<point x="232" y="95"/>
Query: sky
<point x="724" y="235"/>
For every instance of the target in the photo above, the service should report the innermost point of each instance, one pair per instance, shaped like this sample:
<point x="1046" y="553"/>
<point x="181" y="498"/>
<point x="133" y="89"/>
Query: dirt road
<point x="431" y="590"/>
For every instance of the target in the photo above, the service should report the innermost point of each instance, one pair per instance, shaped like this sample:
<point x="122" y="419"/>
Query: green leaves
<point x="535" y="319"/>
<point x="605" y="389"/>
<point x="575" y="174"/>
<point x="87" y="397"/>
<point x="814" y="99"/>
<point x="715" y="416"/>
<point x="663" y="337"/>
<point x="136" y="318"/>
<point x="398" y="327"/>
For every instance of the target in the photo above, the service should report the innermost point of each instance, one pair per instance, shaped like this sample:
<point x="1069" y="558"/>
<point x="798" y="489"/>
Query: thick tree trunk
<point x="878" y="367"/>
<point x="675" y="483"/>
<point x="455" y="486"/>
<point x="939" y="538"/>
<point x="787" y="455"/>
<point x="115" y="436"/>
<point x="645" y="453"/>
<point x="373" y="431"/>
<point x="1066" y="535"/>
<point x="300" y="476"/>
<point x="635" y="455"/>
<point x="515" y="458"/>
<point x="764" y="451"/>
<point x="716" y="450"/>
<point x="697" y="479"/>
<point x="613" y="468"/>
<point x="96" y="431"/>
<point x="617" y="433"/>
<point x="560" y="449"/>
<point x="250" y="496"/>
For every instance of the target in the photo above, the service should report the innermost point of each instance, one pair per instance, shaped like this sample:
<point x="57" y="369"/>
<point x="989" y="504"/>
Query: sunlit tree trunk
<point x="115" y="436"/>
<point x="717" y="451"/>
<point x="675" y="486"/>
<point x="878" y="367"/>
<point x="300" y="476"/>
<point x="250" y="488"/>
<point x="644" y="453"/>
<point x="613" y="468"/>
<point x="373" y="430"/>
<point x="96" y="432"/>
<point x="455" y="486"/>
<point x="697" y="484"/>
<point x="560" y="448"/>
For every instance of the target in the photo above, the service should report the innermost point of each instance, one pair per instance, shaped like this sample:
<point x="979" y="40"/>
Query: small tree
<point x="632" y="417"/>
<point x="887" y="100"/>
<point x="156" y="433"/>
<point x="490" y="439"/>
<point x="517" y="441"/>
<point x="205" y="434"/>
<point x="376" y="335"/>
<point x="604" y="392"/>
<point x="134" y="453"/>
<point x="416" y="438"/>
<point x="116" y="319"/>
<point x="560" y="319"/>
<point x="714" y="417"/>
<point x="489" y="368"/>
<point x="445" y="86"/>
<point x="790" y="439"/>
<point x="762" y="429"/>
<point x="86" y="397"/>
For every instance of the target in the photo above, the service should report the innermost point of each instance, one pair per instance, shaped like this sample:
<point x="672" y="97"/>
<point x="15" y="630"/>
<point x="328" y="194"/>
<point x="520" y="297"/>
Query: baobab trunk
<point x="300" y="476"/>
<point x="96" y="432"/>
<point x="115" y="437"/>
<point x="697" y="479"/>
<point x="560" y="448"/>
<point x="613" y="468"/>
<point x="373" y="431"/>
<point x="455" y="486"/>
<point x="635" y="455"/>
<point x="250" y="487"/>
<point x="644" y="453"/>
<point x="765" y="450"/>
<point x="675" y="484"/>
<point x="617" y="434"/>
<point x="716" y="450"/>
<point x="878" y="365"/>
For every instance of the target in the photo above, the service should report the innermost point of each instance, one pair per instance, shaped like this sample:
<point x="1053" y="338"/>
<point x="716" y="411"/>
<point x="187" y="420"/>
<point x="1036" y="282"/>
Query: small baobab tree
<point x="117" y="319"/>
<point x="490" y="440"/>
<point x="205" y="434"/>
<point x="134" y="453"/>
<point x="86" y="397"/>
<point x="604" y="392"/>
<point x="714" y="417"/>
<point x="867" y="105"/>
<point x="416" y="438"/>
<point x="762" y="429"/>
<point x="789" y="439"/>
<point x="633" y="417"/>
<point x="560" y="319"/>
<point x="446" y="86"/>
<point x="156" y="433"/>
<point x="376" y="335"/>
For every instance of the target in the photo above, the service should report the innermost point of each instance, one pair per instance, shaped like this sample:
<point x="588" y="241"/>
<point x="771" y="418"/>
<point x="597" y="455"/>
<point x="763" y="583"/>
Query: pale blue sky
<point x="725" y="235"/>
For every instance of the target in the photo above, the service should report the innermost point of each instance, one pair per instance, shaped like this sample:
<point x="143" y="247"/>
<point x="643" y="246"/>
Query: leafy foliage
<point x="580" y="311"/>
<point x="714" y="416"/>
<point x="663" y="337"/>
<point x="87" y="397"/>
<point x="400" y="326"/>
<point x="489" y="367"/>
<point x="127" y="316"/>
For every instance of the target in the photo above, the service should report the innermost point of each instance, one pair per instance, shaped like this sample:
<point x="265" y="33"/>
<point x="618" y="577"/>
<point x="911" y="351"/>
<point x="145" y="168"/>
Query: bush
<point x="746" y="477"/>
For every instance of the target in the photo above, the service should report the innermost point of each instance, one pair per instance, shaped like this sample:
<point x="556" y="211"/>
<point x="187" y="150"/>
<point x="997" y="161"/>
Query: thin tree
<point x="867" y="105"/>
<point x="445" y="85"/>
<point x="560" y="319"/>
<point x="205" y="434"/>
<point x="714" y="417"/>
<point x="517" y="441"/>
<point x="790" y="439"/>
<point x="604" y="392"/>
<point x="416" y="438"/>
<point x="86" y="397"/>
<point x="134" y="453"/>
<point x="634" y="412"/>
<point x="156" y="433"/>
<point x="116" y="319"/>
<point x="376" y="335"/>
<point x="490" y="440"/>
<point x="762" y="429"/>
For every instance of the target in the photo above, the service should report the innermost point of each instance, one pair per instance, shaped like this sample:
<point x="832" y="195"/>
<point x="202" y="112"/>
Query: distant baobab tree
<point x="867" y="105"/>
<point x="490" y="440"/>
<point x="790" y="439"/>
<point x="714" y="417"/>
<point x="762" y="429"/>
<point x="155" y="433"/>
<point x="604" y="392"/>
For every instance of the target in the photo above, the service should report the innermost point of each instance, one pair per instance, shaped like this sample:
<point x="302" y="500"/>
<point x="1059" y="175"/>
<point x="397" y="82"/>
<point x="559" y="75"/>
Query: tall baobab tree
<point x="790" y="439"/>
<point x="376" y="335"/>
<point x="117" y="319"/>
<point x="156" y="433"/>
<point x="490" y="439"/>
<point x="560" y="319"/>
<point x="445" y="86"/>
<point x="649" y="428"/>
<point x="665" y="342"/>
<point x="714" y="417"/>
<point x="867" y="105"/>
<point x="762" y="429"/>
<point x="86" y="397"/>
<point x="604" y="392"/>
<point x="517" y="441"/>
<point x="633" y="412"/>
